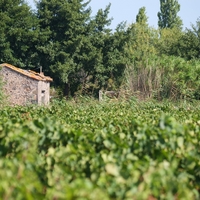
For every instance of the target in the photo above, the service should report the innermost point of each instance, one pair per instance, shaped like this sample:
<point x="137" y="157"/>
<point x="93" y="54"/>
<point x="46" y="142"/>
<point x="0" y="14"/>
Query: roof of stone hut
<point x="29" y="73"/>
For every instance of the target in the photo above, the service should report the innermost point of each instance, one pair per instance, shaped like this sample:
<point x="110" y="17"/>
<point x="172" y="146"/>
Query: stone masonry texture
<point x="23" y="90"/>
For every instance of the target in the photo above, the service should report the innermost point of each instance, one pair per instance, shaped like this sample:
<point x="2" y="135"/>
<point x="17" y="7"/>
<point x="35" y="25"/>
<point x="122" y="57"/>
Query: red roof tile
<point x="29" y="73"/>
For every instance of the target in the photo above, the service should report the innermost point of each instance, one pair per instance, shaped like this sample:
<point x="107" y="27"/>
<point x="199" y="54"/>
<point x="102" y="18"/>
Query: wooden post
<point x="100" y="95"/>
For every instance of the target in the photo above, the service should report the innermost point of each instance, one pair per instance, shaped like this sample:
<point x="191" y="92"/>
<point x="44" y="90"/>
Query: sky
<point x="127" y="10"/>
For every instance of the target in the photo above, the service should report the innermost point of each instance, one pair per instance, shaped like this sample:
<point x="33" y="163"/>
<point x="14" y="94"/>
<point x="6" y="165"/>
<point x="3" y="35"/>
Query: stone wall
<point x="20" y="89"/>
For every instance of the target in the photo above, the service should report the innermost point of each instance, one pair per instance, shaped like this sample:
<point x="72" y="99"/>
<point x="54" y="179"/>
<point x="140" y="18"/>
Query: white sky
<point x="127" y="10"/>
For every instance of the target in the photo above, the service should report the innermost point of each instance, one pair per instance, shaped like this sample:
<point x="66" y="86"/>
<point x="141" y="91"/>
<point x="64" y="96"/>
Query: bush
<point x="165" y="77"/>
<point x="100" y="151"/>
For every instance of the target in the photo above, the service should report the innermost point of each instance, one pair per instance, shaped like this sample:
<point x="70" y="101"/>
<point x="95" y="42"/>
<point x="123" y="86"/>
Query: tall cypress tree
<point x="167" y="16"/>
<point x="141" y="17"/>
<point x="143" y="37"/>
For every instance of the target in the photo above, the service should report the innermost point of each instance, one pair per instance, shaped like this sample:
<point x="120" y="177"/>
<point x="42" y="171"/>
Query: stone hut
<point x="24" y="87"/>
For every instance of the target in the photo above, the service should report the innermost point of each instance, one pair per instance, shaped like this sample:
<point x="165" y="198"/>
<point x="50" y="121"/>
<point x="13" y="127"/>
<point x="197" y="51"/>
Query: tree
<point x="110" y="53"/>
<point x="142" y="76"/>
<point x="168" y="14"/>
<point x="141" y="17"/>
<point x="95" y="50"/>
<point x="189" y="43"/>
<point x="79" y="51"/>
<point x="143" y="38"/>
<point x="143" y="41"/>
<point x="18" y="33"/>
<point x="63" y="30"/>
<point x="169" y="42"/>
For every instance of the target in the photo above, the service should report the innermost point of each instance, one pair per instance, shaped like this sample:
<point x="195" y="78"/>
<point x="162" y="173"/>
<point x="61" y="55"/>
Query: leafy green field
<point x="109" y="150"/>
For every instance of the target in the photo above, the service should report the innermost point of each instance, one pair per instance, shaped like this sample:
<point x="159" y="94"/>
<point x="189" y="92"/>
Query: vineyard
<point x="100" y="151"/>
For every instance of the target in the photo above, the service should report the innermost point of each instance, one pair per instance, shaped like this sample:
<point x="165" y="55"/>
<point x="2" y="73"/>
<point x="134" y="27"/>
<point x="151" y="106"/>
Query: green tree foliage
<point x="79" y="51"/>
<point x="139" y="74"/>
<point x="111" y="52"/>
<point x="168" y="14"/>
<point x="18" y="33"/>
<point x="5" y="51"/>
<point x="82" y="54"/>
<point x="143" y="38"/>
<point x="141" y="17"/>
<point x="63" y="28"/>
<point x="94" y="51"/>
<point x="189" y="44"/>
<point x="156" y="71"/>
<point x="169" y="41"/>
<point x="175" y="42"/>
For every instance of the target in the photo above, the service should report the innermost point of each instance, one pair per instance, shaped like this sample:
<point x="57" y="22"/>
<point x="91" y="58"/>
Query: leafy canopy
<point x="168" y="14"/>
